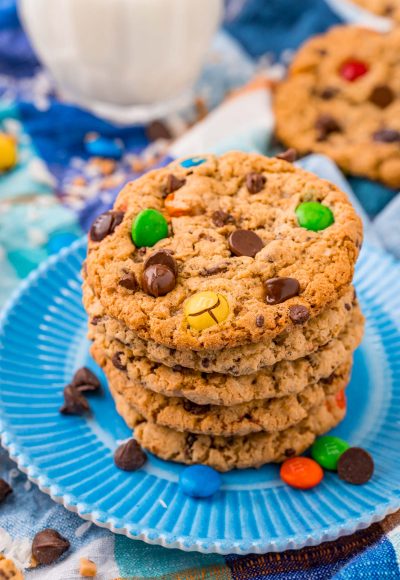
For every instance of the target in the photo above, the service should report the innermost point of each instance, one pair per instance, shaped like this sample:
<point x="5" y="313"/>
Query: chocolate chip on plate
<point x="386" y="136"/>
<point x="255" y="182"/>
<point x="163" y="257"/>
<point x="158" y="280"/>
<point x="129" y="282"/>
<point x="105" y="224"/>
<point x="84" y="380"/>
<point x="48" y="545"/>
<point x="116" y="361"/>
<point x="245" y="243"/>
<point x="299" y="314"/>
<point x="173" y="183"/>
<point x="290" y="155"/>
<point x="74" y="402"/>
<point x="325" y="126"/>
<point x="355" y="466"/>
<point x="129" y="456"/>
<point x="221" y="218"/>
<point x="382" y="96"/>
<point x="5" y="490"/>
<point x="280" y="289"/>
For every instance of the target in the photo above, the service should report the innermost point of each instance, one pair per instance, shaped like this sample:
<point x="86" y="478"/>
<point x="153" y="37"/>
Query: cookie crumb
<point x="87" y="568"/>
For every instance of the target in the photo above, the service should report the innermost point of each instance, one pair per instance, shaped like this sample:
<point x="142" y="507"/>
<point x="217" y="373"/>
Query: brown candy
<point x="74" y="402"/>
<point x="158" y="280"/>
<point x="299" y="314"/>
<point x="245" y="243"/>
<point x="325" y="126"/>
<point x="163" y="257"/>
<point x="105" y="224"/>
<point x="281" y="289"/>
<point x="355" y="466"/>
<point x="84" y="380"/>
<point x="221" y="218"/>
<point x="290" y="155"/>
<point x="255" y="182"/>
<point x="382" y="96"/>
<point x="129" y="282"/>
<point x="173" y="183"/>
<point x="5" y="490"/>
<point x="48" y="545"/>
<point x="129" y="456"/>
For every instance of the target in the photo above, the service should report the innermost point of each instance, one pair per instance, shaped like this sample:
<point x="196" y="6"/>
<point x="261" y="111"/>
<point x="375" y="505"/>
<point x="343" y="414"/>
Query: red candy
<point x="301" y="472"/>
<point x="351" y="70"/>
<point x="341" y="399"/>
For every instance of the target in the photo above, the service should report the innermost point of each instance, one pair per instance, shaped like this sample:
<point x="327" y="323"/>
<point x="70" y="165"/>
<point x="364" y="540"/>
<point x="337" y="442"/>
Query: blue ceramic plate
<point x="43" y="341"/>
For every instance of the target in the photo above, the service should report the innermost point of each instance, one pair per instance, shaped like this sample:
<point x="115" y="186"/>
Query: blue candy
<point x="193" y="162"/>
<point x="104" y="147"/>
<point x="199" y="481"/>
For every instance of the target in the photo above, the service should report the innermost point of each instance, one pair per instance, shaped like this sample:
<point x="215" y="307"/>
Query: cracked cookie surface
<point x="342" y="98"/>
<point x="220" y="196"/>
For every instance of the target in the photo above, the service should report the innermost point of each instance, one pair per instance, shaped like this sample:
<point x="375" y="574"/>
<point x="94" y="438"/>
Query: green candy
<point x="314" y="216"/>
<point x="327" y="451"/>
<point x="149" y="227"/>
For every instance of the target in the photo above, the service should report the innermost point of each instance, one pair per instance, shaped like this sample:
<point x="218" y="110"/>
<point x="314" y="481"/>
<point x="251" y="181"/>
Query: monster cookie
<point x="299" y="341"/>
<point x="267" y="415"/>
<point x="230" y="251"/>
<point x="342" y="98"/>
<point x="226" y="453"/>
<point x="386" y="8"/>
<point x="284" y="378"/>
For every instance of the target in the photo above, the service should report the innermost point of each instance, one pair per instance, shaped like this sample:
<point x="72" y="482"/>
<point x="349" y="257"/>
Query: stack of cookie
<point x="221" y="308"/>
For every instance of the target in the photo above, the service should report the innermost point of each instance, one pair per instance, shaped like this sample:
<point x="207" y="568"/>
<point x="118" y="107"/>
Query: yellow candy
<point x="205" y="309"/>
<point x="8" y="152"/>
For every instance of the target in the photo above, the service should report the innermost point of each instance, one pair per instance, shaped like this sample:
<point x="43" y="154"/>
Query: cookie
<point x="284" y="378"/>
<point x="300" y="341"/>
<point x="262" y="415"/>
<point x="226" y="453"/>
<point x="342" y="98"/>
<point x="8" y="569"/>
<point x="215" y="254"/>
<point x="386" y="8"/>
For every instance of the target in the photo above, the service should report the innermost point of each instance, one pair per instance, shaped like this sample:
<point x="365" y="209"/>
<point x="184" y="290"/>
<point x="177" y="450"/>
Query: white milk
<point x="122" y="52"/>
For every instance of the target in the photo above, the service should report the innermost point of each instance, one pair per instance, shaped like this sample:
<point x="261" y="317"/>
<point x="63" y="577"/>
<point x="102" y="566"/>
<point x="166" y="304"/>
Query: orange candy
<point x="301" y="472"/>
<point x="341" y="399"/>
<point x="176" y="208"/>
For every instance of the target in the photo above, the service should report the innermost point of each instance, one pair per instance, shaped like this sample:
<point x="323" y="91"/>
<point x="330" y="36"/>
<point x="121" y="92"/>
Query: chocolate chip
<point x="5" y="490"/>
<point x="105" y="224"/>
<point x="281" y="289"/>
<point x="255" y="182"/>
<point x="84" y="380"/>
<point x="217" y="269"/>
<point x="129" y="456"/>
<point x="221" y="218"/>
<point x="189" y="442"/>
<point x="325" y="125"/>
<point x="260" y="321"/>
<point x="195" y="409"/>
<point x="157" y="130"/>
<point x="116" y="361"/>
<point x="355" y="466"/>
<point x="382" y="96"/>
<point x="348" y="307"/>
<point x="245" y="243"/>
<point x="290" y="155"/>
<point x="386" y="136"/>
<point x="129" y="282"/>
<point x="163" y="257"/>
<point x="289" y="452"/>
<point x="299" y="314"/>
<point x="158" y="280"/>
<point x="328" y="93"/>
<point x="177" y="368"/>
<point x="329" y="380"/>
<point x="205" y="363"/>
<point x="74" y="402"/>
<point x="48" y="545"/>
<point x="95" y="320"/>
<point x="173" y="183"/>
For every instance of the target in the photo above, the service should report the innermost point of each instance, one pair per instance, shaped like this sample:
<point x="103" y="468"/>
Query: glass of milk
<point x="127" y="60"/>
